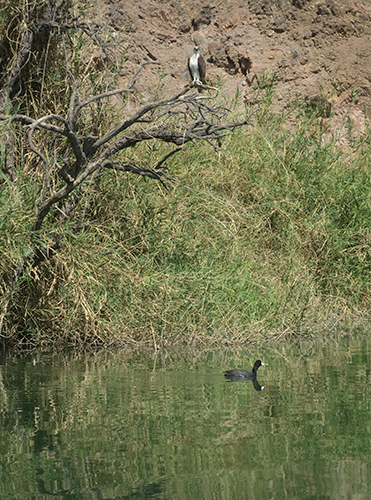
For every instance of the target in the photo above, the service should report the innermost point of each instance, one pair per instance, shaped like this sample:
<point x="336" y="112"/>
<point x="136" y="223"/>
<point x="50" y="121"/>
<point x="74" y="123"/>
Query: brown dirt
<point x="318" y="49"/>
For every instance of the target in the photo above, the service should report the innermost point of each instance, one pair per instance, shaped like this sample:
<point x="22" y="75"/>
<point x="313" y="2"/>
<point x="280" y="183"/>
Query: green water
<point x="113" y="425"/>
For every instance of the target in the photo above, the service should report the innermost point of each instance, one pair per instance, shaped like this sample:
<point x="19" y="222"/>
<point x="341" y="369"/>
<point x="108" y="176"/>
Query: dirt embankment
<point x="316" y="48"/>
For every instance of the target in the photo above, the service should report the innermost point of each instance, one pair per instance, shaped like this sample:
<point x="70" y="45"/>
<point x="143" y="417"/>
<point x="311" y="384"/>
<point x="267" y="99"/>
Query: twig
<point x="126" y="166"/>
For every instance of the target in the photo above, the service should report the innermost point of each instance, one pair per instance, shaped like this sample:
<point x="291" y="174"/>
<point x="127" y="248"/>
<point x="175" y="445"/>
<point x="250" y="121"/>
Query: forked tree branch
<point x="182" y="118"/>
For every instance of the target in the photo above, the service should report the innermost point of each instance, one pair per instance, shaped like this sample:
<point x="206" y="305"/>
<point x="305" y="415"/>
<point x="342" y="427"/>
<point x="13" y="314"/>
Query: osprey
<point x="197" y="67"/>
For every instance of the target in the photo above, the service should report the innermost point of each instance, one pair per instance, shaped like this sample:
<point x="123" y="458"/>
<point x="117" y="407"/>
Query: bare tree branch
<point x="166" y="157"/>
<point x="125" y="166"/>
<point x="136" y="118"/>
<point x="179" y="119"/>
<point x="74" y="116"/>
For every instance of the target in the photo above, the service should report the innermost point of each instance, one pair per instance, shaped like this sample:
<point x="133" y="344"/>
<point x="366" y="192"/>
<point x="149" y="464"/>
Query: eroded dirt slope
<point x="314" y="47"/>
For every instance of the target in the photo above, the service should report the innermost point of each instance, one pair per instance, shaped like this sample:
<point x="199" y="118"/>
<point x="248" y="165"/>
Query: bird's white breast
<point x="193" y="64"/>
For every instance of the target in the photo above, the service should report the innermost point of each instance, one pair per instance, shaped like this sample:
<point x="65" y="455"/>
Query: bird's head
<point x="196" y="50"/>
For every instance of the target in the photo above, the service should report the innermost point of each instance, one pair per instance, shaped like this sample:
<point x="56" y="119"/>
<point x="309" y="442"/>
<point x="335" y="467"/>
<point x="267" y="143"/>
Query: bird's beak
<point x="263" y="364"/>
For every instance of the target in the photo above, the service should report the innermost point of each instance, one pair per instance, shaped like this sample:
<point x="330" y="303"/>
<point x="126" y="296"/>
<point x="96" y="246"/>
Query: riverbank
<point x="266" y="238"/>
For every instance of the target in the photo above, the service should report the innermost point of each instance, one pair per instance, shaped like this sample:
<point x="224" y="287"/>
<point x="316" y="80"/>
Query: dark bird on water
<point x="244" y="374"/>
<point x="197" y="67"/>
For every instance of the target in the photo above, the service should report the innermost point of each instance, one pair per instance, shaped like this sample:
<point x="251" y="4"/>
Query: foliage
<point x="270" y="236"/>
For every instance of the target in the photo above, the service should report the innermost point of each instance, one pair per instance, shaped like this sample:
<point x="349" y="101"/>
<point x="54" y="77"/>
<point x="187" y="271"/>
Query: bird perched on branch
<point x="197" y="67"/>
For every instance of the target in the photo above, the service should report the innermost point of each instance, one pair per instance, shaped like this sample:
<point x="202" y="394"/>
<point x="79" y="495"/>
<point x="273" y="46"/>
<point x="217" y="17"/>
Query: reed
<point x="269" y="237"/>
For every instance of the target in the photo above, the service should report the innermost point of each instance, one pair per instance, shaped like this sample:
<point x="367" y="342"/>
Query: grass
<point x="270" y="237"/>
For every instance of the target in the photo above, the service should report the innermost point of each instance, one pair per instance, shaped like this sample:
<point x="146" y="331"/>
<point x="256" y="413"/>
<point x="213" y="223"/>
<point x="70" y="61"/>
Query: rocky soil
<point x="317" y="49"/>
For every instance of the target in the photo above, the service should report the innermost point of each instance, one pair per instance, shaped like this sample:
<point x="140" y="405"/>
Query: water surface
<point x="115" y="425"/>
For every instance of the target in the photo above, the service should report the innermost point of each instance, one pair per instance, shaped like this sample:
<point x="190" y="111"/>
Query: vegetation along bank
<point x="170" y="215"/>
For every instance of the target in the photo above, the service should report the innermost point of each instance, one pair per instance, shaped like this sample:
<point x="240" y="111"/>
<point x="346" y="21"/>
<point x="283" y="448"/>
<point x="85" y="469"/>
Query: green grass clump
<point x="270" y="236"/>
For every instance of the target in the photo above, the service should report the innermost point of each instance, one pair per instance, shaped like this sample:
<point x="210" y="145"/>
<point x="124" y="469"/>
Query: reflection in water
<point x="147" y="491"/>
<point x="254" y="381"/>
<point x="168" y="427"/>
